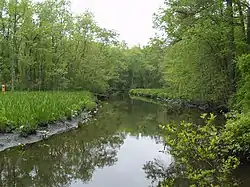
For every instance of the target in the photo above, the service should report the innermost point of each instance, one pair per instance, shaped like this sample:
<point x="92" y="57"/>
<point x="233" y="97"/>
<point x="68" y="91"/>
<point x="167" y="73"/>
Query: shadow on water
<point x="111" y="150"/>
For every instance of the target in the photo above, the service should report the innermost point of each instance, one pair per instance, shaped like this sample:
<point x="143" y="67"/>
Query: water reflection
<point x="175" y="175"/>
<point x="118" y="143"/>
<point x="128" y="170"/>
<point x="59" y="161"/>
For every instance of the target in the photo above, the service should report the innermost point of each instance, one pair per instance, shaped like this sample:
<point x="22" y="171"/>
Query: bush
<point x="202" y="153"/>
<point x="238" y="133"/>
<point x="242" y="98"/>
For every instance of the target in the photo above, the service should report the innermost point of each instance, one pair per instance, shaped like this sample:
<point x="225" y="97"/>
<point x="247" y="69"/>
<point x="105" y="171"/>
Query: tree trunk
<point x="242" y="20"/>
<point x="14" y="60"/>
<point x="248" y="28"/>
<point x="231" y="47"/>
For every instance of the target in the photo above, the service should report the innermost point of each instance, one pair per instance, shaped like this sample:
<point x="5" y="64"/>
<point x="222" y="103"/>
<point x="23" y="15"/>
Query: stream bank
<point x="13" y="139"/>
<point x="165" y="97"/>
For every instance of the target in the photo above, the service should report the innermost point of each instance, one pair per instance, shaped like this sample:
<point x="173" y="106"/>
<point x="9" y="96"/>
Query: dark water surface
<point x="110" y="151"/>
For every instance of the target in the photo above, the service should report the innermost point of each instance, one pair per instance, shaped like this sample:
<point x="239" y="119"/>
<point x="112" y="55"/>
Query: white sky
<point x="132" y="19"/>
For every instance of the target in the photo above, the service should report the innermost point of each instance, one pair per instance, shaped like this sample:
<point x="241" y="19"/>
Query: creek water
<point x="111" y="150"/>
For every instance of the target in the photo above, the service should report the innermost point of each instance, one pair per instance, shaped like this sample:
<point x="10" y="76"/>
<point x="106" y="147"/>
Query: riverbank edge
<point x="202" y="105"/>
<point x="14" y="139"/>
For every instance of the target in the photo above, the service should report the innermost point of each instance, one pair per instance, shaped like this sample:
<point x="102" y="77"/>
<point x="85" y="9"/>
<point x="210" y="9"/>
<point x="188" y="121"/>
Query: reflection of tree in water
<point x="139" y="117"/>
<point x="64" y="159"/>
<point x="174" y="112"/>
<point x="174" y="175"/>
<point x="133" y="118"/>
<point x="157" y="172"/>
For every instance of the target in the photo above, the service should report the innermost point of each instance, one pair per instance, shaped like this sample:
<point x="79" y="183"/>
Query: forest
<point x="199" y="52"/>
<point x="45" y="47"/>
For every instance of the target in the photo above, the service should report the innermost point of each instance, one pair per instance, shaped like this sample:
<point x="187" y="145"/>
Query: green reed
<point x="28" y="110"/>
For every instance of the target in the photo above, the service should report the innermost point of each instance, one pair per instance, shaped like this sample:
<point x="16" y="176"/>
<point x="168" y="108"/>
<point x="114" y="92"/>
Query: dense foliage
<point x="44" y="46"/>
<point x="206" y="57"/>
<point x="206" y="40"/>
<point x="202" y="53"/>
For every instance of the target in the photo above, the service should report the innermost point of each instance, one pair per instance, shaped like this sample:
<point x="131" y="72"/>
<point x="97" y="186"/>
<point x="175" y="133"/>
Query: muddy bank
<point x="8" y="140"/>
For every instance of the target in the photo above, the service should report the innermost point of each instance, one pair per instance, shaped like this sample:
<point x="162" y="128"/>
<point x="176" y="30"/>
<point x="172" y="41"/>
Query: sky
<point x="132" y="19"/>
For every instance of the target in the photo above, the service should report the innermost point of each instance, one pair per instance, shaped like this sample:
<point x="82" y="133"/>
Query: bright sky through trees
<point x="132" y="19"/>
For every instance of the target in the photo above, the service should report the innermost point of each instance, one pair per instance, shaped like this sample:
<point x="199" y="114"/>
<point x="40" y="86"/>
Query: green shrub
<point x="202" y="153"/>
<point x="238" y="133"/>
<point x="242" y="98"/>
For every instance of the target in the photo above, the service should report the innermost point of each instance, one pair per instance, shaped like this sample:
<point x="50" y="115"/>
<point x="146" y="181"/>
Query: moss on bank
<point x="26" y="111"/>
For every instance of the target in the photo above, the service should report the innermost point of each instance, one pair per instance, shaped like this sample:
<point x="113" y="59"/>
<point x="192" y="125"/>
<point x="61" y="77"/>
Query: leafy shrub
<point x="242" y="100"/>
<point x="202" y="153"/>
<point x="238" y="134"/>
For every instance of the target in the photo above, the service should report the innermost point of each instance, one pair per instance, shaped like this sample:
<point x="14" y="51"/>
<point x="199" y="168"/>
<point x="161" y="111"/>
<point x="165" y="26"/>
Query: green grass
<point x="169" y="95"/>
<point x="172" y="93"/>
<point x="163" y="93"/>
<point x="166" y="94"/>
<point x="26" y="111"/>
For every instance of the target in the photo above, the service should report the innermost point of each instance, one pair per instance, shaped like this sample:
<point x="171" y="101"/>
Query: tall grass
<point x="28" y="110"/>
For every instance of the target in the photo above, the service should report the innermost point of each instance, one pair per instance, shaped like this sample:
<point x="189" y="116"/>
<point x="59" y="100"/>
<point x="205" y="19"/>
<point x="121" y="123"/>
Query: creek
<point x="111" y="150"/>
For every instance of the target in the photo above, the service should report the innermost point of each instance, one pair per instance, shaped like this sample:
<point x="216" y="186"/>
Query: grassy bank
<point x="153" y="93"/>
<point x="167" y="95"/>
<point x="25" y="111"/>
